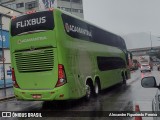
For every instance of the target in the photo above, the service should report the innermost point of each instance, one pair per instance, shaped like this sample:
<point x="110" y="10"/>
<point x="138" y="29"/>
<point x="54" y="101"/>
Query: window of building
<point x="19" y="5"/>
<point x="30" y="5"/>
<point x="68" y="9"/>
<point x="77" y="1"/>
<point x="66" y="0"/>
<point x="13" y="6"/>
<point x="80" y="11"/>
<point x="74" y="10"/>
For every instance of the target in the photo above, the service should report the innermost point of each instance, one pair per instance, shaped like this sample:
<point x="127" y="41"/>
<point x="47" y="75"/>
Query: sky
<point x="124" y="16"/>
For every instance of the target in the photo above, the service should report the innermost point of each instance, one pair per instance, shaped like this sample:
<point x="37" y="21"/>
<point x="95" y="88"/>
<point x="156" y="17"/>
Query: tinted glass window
<point x="76" y="28"/>
<point x="110" y="63"/>
<point x="84" y="31"/>
<point x="32" y="22"/>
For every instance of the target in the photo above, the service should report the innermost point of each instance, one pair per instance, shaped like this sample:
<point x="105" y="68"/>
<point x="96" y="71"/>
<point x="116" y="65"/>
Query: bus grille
<point x="35" y="61"/>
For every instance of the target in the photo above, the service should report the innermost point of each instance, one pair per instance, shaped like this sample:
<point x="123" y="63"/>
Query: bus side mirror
<point x="149" y="82"/>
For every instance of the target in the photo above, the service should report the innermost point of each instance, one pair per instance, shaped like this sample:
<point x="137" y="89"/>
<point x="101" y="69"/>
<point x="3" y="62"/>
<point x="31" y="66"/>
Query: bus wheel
<point x="126" y="75"/>
<point x="88" y="92"/>
<point x="124" y="79"/>
<point x="97" y="88"/>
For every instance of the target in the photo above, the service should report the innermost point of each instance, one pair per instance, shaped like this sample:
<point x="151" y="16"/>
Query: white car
<point x="145" y="67"/>
<point x="150" y="82"/>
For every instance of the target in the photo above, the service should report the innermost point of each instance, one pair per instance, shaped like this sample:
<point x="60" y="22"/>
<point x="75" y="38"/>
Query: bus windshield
<point x="36" y="22"/>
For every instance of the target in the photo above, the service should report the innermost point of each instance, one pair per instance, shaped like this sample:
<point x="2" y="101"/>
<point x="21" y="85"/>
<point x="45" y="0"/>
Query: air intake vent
<point x="35" y="61"/>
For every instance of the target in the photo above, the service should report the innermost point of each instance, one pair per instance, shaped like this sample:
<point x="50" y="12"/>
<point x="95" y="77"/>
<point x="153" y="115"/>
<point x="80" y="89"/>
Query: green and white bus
<point x="57" y="56"/>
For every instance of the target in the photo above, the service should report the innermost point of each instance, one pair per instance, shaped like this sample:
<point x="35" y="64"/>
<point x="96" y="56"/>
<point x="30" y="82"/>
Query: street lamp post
<point x="151" y="40"/>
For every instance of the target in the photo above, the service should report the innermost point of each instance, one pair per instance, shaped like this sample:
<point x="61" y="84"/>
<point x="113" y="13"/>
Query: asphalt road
<point x="117" y="98"/>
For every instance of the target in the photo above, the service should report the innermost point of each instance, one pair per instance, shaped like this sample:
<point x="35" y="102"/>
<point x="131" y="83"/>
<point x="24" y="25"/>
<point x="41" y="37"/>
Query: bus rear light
<point x="61" y="76"/>
<point x="50" y="9"/>
<point x="13" y="75"/>
<point x="31" y="12"/>
<point x="14" y="17"/>
<point x="15" y="84"/>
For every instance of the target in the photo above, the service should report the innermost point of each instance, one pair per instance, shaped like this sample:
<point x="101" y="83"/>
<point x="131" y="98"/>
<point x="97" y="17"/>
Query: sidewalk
<point x="6" y="93"/>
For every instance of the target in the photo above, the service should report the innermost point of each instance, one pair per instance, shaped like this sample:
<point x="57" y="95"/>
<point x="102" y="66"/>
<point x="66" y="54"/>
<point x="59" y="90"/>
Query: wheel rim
<point x="88" y="91"/>
<point x="96" y="88"/>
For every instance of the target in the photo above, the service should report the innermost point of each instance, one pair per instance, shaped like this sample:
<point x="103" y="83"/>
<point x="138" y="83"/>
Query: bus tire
<point x="89" y="90"/>
<point x="126" y="75"/>
<point x="124" y="79"/>
<point x="97" y="88"/>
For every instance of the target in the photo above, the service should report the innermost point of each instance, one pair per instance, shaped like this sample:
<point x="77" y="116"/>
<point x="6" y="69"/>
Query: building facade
<point x="73" y="6"/>
<point x="5" y="17"/>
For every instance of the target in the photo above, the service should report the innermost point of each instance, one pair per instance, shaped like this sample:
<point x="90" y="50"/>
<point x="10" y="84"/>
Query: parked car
<point x="145" y="67"/>
<point x="150" y="82"/>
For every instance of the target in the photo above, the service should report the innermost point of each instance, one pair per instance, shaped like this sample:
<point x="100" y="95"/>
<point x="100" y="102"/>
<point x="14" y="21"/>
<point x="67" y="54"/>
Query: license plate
<point x="36" y="96"/>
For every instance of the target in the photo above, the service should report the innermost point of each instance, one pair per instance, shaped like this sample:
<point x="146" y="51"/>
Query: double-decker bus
<point x="57" y="56"/>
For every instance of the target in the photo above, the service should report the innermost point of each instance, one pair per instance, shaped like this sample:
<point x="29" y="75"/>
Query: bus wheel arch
<point x="97" y="86"/>
<point x="89" y="89"/>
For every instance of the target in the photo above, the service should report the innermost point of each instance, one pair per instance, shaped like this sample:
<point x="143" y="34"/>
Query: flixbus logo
<point x="30" y="22"/>
<point x="76" y="29"/>
<point x="31" y="40"/>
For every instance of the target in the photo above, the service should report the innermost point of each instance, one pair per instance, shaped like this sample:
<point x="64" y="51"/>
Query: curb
<point x="137" y="110"/>
<point x="7" y="98"/>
